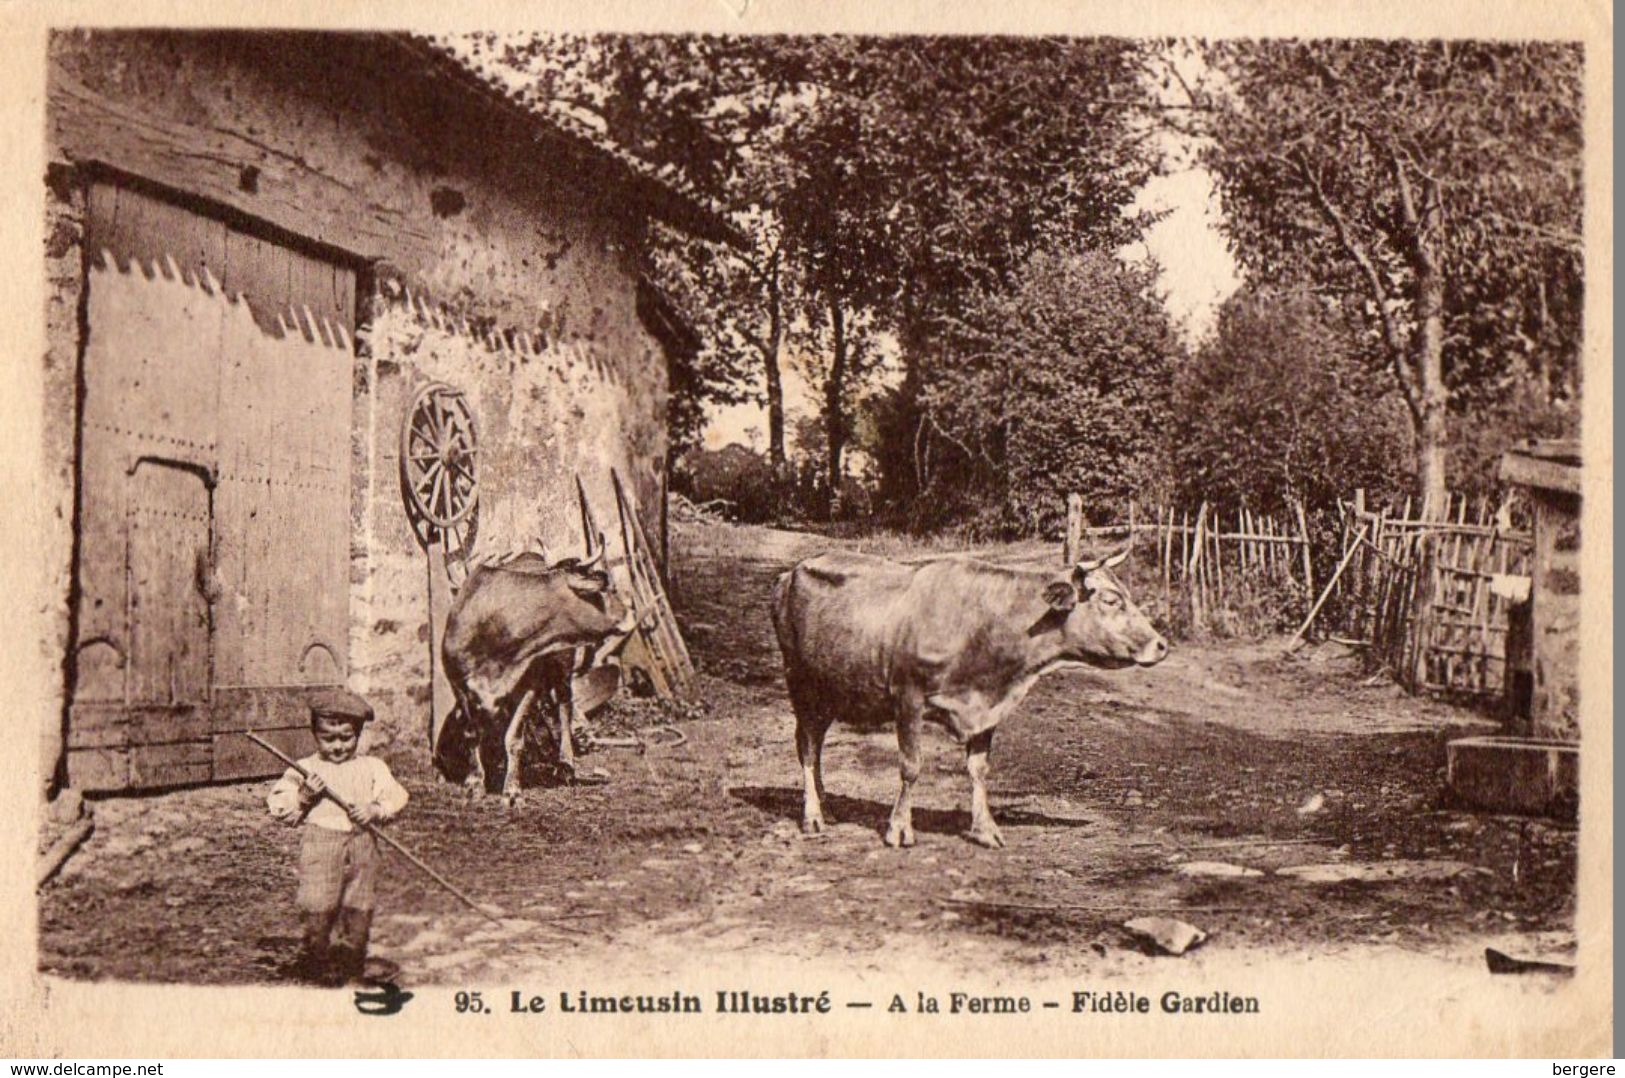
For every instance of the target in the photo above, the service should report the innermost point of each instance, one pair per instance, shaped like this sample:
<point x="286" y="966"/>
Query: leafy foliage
<point x="1279" y="408"/>
<point x="1433" y="187"/>
<point x="740" y="478"/>
<point x="1059" y="386"/>
<point x="927" y="169"/>
<point x="948" y="203"/>
<point x="710" y="112"/>
<point x="880" y="182"/>
<point x="929" y="166"/>
<point x="996" y="149"/>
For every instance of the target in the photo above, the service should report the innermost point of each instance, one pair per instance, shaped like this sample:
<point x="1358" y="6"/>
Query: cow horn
<point x="592" y="562"/>
<point x="1111" y="561"/>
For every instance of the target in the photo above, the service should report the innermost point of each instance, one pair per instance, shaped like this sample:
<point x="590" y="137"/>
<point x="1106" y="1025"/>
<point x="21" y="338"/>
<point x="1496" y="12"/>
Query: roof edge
<point x="667" y="198"/>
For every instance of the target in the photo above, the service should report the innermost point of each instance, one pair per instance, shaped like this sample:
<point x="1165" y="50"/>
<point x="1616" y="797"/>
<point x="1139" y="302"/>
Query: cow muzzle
<point x="1155" y="650"/>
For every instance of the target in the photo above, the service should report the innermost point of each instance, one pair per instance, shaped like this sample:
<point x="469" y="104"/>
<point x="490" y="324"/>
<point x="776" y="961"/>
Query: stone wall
<point x="547" y="411"/>
<point x="64" y="282"/>
<point x="1555" y="617"/>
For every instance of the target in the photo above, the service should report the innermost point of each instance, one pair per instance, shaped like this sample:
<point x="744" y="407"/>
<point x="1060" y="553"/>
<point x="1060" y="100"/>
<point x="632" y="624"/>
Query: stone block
<point x="1518" y="775"/>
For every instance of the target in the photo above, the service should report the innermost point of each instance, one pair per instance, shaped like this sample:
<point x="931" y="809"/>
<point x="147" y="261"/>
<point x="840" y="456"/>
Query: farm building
<point x="266" y="254"/>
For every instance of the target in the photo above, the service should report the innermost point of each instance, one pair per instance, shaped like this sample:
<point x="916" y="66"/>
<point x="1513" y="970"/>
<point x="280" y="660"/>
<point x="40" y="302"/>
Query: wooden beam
<point x="1528" y="471"/>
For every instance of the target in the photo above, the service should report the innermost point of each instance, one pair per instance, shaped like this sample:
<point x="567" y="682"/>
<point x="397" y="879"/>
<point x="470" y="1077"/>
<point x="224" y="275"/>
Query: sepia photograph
<point x="773" y="534"/>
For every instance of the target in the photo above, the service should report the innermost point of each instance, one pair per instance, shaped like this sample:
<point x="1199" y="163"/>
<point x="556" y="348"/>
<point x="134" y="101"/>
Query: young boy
<point x="338" y="857"/>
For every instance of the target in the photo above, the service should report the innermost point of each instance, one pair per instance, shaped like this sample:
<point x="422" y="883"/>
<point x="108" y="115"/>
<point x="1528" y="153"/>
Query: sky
<point x="1198" y="272"/>
<point x="1197" y="275"/>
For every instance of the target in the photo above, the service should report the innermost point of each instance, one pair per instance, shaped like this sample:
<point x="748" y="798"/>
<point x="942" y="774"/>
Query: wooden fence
<point x="1434" y="600"/>
<point x="1227" y="574"/>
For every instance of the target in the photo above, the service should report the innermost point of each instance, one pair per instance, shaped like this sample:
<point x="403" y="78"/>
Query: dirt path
<point x="1108" y="787"/>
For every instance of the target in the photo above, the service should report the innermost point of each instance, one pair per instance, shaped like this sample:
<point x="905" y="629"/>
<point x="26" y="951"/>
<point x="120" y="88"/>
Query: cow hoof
<point x="990" y="837"/>
<point x="900" y="837"/>
<point x="812" y="825"/>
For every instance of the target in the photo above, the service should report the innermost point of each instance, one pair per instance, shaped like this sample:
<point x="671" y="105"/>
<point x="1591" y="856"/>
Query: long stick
<point x="1120" y="907"/>
<point x="1308" y="564"/>
<point x="660" y="668"/>
<point x="62" y="848"/>
<point x="589" y="527"/>
<point x="376" y="832"/>
<point x="1297" y="637"/>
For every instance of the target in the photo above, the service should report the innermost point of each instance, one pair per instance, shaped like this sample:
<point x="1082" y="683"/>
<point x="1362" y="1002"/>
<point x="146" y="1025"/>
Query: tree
<point x="1280" y="408"/>
<point x="1051" y="395"/>
<point x="709" y="112"/>
<point x="841" y="352"/>
<point x="880" y="180"/>
<point x="1432" y="186"/>
<point x="931" y="169"/>
<point x="737" y="303"/>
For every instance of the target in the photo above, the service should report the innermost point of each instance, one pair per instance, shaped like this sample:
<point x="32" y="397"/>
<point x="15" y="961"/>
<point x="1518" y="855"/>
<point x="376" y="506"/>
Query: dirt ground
<point x="1109" y="787"/>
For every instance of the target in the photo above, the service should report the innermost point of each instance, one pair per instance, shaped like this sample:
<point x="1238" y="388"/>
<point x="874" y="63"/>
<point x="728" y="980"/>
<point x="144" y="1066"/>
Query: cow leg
<point x="567" y="717"/>
<point x="818" y="775"/>
<point x="514" y="743"/>
<point x="983" y="830"/>
<point x="900" y="830"/>
<point x="486" y="748"/>
<point x="474" y="780"/>
<point x="810" y="731"/>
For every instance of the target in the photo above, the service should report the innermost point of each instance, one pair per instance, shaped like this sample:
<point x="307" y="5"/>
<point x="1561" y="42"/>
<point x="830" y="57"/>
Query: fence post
<point x="1308" y="566"/>
<point x="1427" y="557"/>
<point x="1165" y="547"/>
<point x="1297" y="637"/>
<point x="1072" y="551"/>
<point x="1193" y="570"/>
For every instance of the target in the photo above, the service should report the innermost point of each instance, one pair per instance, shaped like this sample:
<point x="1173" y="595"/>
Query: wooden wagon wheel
<point x="440" y="470"/>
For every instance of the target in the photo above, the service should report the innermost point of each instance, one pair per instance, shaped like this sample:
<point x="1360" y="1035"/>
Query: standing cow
<point x="954" y="641"/>
<point x="510" y="644"/>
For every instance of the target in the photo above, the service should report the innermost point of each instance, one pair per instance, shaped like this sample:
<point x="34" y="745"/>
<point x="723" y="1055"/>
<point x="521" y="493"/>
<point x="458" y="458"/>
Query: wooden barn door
<point x="214" y="513"/>
<point x="167" y="529"/>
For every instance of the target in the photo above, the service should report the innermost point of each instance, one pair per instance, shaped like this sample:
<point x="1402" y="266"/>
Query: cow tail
<point x="781" y="610"/>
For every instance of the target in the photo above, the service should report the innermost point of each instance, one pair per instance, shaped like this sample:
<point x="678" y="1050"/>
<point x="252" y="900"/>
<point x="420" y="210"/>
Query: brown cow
<point x="510" y="643"/>
<point x="954" y="641"/>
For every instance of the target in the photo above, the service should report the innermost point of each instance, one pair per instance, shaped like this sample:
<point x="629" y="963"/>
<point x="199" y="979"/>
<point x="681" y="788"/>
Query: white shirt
<point x="360" y="780"/>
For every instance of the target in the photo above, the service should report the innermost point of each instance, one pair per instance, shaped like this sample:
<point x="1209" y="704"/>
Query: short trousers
<point x="336" y="868"/>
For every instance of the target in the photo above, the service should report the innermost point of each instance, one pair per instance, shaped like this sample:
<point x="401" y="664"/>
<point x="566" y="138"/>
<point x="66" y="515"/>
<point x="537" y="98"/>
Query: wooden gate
<point x="1434" y="599"/>
<point x="214" y="495"/>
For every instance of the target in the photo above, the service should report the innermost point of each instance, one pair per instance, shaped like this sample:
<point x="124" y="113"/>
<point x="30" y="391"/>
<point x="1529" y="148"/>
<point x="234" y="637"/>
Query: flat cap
<point x="340" y="704"/>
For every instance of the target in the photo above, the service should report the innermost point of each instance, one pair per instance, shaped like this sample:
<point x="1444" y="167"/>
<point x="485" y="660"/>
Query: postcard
<point x="744" y="528"/>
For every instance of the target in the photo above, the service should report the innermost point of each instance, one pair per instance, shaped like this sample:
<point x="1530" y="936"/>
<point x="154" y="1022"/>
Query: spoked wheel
<point x="440" y="476"/>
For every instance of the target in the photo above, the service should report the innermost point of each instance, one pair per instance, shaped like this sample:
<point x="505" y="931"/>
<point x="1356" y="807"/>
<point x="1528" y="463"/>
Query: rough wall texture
<point x="519" y="259"/>
<point x="547" y="412"/>
<point x="1556" y="616"/>
<point x="338" y="141"/>
<point x="64" y="277"/>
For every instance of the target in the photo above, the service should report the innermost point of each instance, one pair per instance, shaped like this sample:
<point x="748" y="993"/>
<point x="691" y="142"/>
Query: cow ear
<point x="1110" y="561"/>
<point x="595" y="582"/>
<point x="1061" y="595"/>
